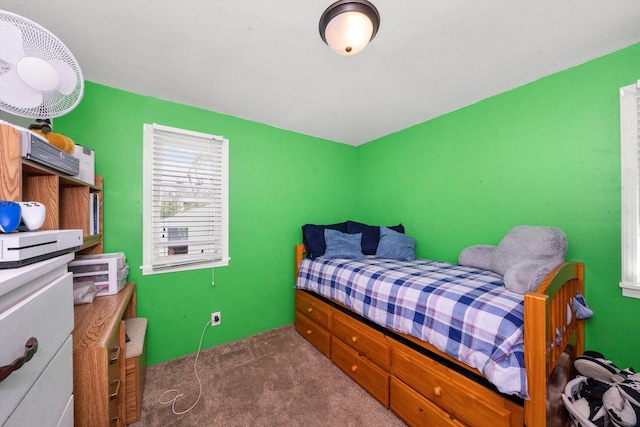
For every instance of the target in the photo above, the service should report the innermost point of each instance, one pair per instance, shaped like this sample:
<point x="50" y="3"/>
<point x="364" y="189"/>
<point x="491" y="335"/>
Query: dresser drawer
<point x="415" y="410"/>
<point x="116" y="393"/>
<point x="115" y="355"/>
<point x="463" y="398"/>
<point x="314" y="309"/>
<point x="316" y="335"/>
<point x="363" y="339"/>
<point x="46" y="315"/>
<point x="47" y="400"/>
<point x="370" y="377"/>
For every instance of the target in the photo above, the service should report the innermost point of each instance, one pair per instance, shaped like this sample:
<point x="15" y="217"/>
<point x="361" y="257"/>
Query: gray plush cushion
<point x="539" y="248"/>
<point x="342" y="245"/>
<point x="529" y="243"/>
<point x="526" y="276"/>
<point x="477" y="256"/>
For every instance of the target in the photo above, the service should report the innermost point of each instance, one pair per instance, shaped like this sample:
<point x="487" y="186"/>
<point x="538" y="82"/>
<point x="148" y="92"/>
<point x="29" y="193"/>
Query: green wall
<point x="279" y="180"/>
<point x="546" y="153"/>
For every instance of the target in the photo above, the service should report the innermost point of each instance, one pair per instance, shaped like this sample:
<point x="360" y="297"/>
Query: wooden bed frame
<point x="432" y="387"/>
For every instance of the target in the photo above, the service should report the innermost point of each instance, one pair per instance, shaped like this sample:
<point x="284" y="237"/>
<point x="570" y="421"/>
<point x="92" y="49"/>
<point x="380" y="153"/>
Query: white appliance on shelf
<point x="23" y="248"/>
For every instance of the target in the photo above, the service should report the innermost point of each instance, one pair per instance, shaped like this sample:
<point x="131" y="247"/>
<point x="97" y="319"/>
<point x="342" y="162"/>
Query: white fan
<point x="39" y="77"/>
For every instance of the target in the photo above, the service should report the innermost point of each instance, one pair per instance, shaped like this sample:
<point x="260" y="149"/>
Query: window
<point x="185" y="200"/>
<point x="630" y="179"/>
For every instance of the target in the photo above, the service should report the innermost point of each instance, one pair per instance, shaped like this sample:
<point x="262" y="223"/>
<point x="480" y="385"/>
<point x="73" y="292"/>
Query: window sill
<point x="148" y="270"/>
<point x="631" y="290"/>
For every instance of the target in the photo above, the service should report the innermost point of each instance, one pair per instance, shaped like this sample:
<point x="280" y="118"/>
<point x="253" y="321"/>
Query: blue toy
<point x="9" y="216"/>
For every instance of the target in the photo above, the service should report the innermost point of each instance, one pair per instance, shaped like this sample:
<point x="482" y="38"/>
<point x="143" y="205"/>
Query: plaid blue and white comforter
<point x="464" y="312"/>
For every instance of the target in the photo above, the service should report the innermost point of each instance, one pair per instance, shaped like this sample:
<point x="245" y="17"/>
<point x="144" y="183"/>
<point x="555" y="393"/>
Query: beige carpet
<point x="275" y="378"/>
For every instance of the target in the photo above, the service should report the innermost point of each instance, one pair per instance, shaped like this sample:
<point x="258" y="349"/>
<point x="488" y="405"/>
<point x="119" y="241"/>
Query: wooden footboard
<point x="545" y="341"/>
<point x="551" y="331"/>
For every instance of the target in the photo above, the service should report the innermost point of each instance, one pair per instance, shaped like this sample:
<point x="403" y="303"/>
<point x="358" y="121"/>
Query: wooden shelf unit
<point x="65" y="197"/>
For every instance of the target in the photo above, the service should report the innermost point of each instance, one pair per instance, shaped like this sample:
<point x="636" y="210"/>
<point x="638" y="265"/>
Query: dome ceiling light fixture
<point x="347" y="26"/>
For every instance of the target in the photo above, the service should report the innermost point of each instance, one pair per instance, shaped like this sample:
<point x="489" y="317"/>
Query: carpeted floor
<point x="275" y="378"/>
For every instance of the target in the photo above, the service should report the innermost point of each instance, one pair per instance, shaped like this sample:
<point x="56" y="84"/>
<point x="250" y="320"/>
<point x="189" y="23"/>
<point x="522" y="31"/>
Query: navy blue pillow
<point x="370" y="235"/>
<point x="342" y="245"/>
<point x="313" y="237"/>
<point x="394" y="245"/>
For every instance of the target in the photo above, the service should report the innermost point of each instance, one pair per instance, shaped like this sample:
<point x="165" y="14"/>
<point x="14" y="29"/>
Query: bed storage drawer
<point x="314" y="309"/>
<point x="363" y="339"/>
<point x="415" y="410"/>
<point x="455" y="394"/>
<point x="320" y="338"/>
<point x="370" y="377"/>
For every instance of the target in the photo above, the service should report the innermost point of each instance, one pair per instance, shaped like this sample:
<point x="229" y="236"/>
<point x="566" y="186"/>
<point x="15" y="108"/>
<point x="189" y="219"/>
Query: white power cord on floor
<point x="178" y="395"/>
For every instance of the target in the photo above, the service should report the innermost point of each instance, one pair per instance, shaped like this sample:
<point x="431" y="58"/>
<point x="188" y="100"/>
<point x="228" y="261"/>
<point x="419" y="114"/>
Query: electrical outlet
<point x="215" y="318"/>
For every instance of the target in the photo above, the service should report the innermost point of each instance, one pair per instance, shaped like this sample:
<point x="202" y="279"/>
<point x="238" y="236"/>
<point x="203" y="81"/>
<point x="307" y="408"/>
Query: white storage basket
<point x="570" y="395"/>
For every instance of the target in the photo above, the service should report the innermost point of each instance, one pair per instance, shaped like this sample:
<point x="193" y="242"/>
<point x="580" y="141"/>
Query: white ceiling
<point x="263" y="60"/>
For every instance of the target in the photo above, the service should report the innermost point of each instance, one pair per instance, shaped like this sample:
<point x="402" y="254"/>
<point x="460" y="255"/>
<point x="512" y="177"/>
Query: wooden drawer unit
<point x="314" y="309"/>
<point x="363" y="339"/>
<point x="99" y="375"/>
<point x="319" y="337"/>
<point x="370" y="376"/>
<point x="100" y="396"/>
<point x="416" y="410"/>
<point x="455" y="394"/>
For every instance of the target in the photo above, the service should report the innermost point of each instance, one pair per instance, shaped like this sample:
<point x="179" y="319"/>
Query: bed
<point x="354" y="311"/>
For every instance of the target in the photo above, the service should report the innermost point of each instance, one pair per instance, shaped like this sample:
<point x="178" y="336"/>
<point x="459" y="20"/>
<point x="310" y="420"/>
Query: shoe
<point x="594" y="365"/>
<point x="628" y="374"/>
<point x="630" y="390"/>
<point x="582" y="397"/>
<point x="621" y="412"/>
<point x="592" y="411"/>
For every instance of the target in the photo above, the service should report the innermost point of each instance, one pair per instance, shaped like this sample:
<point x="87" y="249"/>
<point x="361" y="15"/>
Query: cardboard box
<point x="87" y="164"/>
<point x="108" y="272"/>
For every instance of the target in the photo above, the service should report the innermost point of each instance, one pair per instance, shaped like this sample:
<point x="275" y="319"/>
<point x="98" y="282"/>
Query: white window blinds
<point x="185" y="200"/>
<point x="630" y="195"/>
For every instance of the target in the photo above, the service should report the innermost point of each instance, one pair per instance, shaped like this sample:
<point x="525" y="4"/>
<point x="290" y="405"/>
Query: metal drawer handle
<point x="437" y="391"/>
<point x="115" y="394"/>
<point x="30" y="348"/>
<point x="354" y="368"/>
<point x="115" y="421"/>
<point x="115" y="358"/>
<point x="354" y="339"/>
<point x="309" y="310"/>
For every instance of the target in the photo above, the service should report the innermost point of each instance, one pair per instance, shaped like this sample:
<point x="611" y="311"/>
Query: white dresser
<point x="36" y="301"/>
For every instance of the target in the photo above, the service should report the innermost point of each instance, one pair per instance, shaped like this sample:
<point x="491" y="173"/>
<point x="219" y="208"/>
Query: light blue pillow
<point x="394" y="245"/>
<point x="343" y="245"/>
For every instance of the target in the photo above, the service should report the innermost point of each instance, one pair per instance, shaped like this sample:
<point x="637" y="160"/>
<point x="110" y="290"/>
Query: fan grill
<point x="40" y="43"/>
